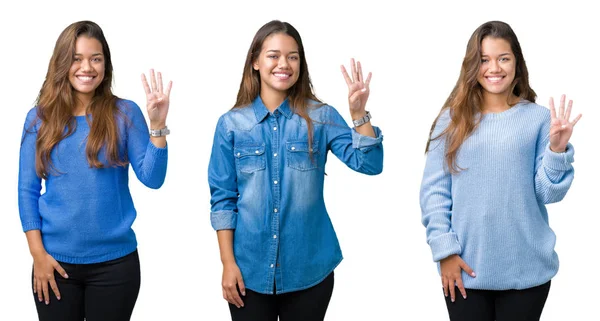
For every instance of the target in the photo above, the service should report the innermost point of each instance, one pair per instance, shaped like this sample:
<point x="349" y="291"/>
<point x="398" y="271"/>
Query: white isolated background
<point x="414" y="50"/>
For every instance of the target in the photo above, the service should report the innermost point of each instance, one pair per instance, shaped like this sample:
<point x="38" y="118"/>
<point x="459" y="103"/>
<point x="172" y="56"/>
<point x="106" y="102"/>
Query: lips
<point x="282" y="75"/>
<point x="494" y="79"/>
<point x="85" y="79"/>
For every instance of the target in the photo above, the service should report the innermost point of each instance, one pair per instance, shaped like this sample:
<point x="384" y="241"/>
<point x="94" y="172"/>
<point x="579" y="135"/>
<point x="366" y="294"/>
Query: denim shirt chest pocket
<point x="249" y="158"/>
<point x="298" y="155"/>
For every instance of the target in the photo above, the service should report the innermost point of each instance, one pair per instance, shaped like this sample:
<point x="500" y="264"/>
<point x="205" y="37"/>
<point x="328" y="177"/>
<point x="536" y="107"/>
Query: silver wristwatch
<point x="362" y="121"/>
<point x="160" y="132"/>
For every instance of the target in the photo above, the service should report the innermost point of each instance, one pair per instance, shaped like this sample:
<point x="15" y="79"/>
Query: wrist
<point x="558" y="150"/>
<point x="156" y="125"/>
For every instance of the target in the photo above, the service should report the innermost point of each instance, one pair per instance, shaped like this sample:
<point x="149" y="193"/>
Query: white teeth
<point x="282" y="76"/>
<point x="494" y="79"/>
<point x="85" y="78"/>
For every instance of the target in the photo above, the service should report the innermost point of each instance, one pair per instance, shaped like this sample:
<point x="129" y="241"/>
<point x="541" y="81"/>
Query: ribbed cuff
<point x="444" y="246"/>
<point x="559" y="161"/>
<point x="28" y="226"/>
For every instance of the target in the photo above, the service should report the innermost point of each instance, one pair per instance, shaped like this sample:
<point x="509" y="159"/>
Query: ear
<point x="255" y="65"/>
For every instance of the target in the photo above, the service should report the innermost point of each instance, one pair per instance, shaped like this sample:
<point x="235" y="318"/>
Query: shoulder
<point x="32" y="119"/>
<point x="241" y="117"/>
<point x="535" y="109"/>
<point x="322" y="112"/>
<point x="128" y="107"/>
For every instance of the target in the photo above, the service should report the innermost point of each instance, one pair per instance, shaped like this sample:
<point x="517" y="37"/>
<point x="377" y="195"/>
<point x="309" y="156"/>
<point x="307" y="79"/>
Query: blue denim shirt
<point x="265" y="185"/>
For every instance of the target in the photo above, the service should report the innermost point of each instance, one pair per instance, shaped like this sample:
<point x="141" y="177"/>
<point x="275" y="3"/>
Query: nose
<point x="494" y="66"/>
<point x="283" y="62"/>
<point x="86" y="65"/>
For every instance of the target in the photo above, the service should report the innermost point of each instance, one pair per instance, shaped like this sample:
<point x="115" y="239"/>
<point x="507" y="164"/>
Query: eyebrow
<point x="278" y="51"/>
<point x="500" y="55"/>
<point x="93" y="55"/>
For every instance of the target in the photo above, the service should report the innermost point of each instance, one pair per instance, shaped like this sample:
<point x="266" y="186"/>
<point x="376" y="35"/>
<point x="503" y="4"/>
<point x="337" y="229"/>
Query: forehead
<point x="495" y="46"/>
<point x="281" y="42"/>
<point x="85" y="44"/>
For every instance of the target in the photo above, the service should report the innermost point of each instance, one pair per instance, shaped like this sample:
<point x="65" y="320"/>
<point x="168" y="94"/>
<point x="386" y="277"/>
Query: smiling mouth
<point x="85" y="79"/>
<point x="282" y="76"/>
<point x="494" y="79"/>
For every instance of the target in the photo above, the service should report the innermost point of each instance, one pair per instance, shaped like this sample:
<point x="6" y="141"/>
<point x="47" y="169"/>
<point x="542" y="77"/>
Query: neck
<point x="82" y="101"/>
<point x="272" y="98"/>
<point x="496" y="103"/>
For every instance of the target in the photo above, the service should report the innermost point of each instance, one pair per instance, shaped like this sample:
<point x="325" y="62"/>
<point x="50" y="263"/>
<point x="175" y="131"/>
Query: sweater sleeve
<point x="149" y="162"/>
<point x="436" y="198"/>
<point x="554" y="172"/>
<point x="30" y="184"/>
<point x="361" y="153"/>
<point x="222" y="180"/>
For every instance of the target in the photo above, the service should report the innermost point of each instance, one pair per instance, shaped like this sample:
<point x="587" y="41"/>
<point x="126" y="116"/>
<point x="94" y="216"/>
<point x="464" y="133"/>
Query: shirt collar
<point x="261" y="111"/>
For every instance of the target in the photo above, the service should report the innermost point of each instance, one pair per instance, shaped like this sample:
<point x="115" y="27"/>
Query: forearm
<point x="159" y="142"/>
<point x="225" y="238"/>
<point x="34" y="240"/>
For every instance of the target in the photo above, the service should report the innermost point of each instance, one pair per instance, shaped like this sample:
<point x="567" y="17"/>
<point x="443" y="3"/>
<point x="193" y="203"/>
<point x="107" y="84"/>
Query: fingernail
<point x="464" y="297"/>
<point x="47" y="302"/>
<point x="66" y="276"/>
<point x="160" y="99"/>
<point x="244" y="293"/>
<point x="563" y="126"/>
<point x="473" y="274"/>
<point x="363" y="90"/>
<point x="58" y="297"/>
<point x="452" y="299"/>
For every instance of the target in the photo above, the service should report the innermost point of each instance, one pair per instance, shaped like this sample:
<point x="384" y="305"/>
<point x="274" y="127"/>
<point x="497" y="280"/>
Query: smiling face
<point x="498" y="66"/>
<point x="278" y="64"/>
<point x="87" y="70"/>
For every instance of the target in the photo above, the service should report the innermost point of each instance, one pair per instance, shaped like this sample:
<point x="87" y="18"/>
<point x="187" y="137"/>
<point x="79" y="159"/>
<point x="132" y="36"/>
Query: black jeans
<point x="510" y="305"/>
<point x="305" y="305"/>
<point x="97" y="292"/>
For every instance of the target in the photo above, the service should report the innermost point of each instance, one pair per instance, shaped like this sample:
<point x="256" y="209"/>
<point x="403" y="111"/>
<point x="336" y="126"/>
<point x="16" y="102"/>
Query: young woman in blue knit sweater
<point x="80" y="140"/>
<point x="494" y="159"/>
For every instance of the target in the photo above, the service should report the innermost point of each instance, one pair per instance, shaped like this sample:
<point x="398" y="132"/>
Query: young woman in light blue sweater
<point x="494" y="159"/>
<point x="80" y="140"/>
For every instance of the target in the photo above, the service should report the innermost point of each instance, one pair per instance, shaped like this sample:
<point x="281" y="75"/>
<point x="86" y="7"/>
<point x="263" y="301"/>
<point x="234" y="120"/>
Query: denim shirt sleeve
<point x="554" y="171"/>
<point x="361" y="153"/>
<point x="436" y="198"/>
<point x="222" y="180"/>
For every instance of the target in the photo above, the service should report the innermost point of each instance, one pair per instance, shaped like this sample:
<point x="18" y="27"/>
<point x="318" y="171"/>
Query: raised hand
<point x="157" y="100"/>
<point x="561" y="128"/>
<point x="358" y="89"/>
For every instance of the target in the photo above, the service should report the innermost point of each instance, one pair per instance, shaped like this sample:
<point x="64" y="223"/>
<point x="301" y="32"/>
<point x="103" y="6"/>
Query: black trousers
<point x="97" y="292"/>
<point x="305" y="305"/>
<point x="510" y="305"/>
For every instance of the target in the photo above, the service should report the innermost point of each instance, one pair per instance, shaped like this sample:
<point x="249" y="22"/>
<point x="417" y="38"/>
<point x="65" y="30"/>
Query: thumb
<point x="60" y="270"/>
<point x="241" y="285"/>
<point x="467" y="269"/>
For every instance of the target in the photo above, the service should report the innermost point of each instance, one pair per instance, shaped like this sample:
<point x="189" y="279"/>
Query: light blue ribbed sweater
<point x="492" y="213"/>
<point x="85" y="215"/>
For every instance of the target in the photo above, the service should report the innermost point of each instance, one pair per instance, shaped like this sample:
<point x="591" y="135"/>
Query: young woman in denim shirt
<point x="494" y="159"/>
<point x="80" y="140"/>
<point x="266" y="174"/>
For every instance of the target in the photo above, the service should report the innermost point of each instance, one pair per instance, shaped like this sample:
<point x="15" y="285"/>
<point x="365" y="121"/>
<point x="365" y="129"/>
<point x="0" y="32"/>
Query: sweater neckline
<point x="505" y="113"/>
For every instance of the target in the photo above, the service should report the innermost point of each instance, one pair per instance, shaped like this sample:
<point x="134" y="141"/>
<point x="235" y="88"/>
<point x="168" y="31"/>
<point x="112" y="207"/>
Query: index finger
<point x="233" y="294"/>
<point x="145" y="84"/>
<point x="346" y="76"/>
<point x="552" y="109"/>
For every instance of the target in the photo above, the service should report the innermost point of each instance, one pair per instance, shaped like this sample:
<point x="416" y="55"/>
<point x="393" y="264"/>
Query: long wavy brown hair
<point x="56" y="103"/>
<point x="298" y="95"/>
<point x="466" y="100"/>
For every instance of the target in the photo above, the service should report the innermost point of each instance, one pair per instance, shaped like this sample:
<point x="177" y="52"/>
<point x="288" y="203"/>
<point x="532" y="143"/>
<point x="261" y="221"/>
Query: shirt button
<point x="257" y="151"/>
<point x="274" y="128"/>
<point x="274" y="236"/>
<point x="275" y="210"/>
<point x="274" y="154"/>
<point x="275" y="182"/>
<point x="272" y="265"/>
<point x="293" y="148"/>
<point x="239" y="154"/>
